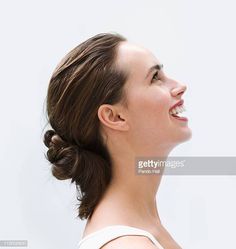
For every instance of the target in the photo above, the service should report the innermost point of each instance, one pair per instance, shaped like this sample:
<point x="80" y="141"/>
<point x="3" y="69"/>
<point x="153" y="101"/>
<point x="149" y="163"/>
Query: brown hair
<point x="86" y="78"/>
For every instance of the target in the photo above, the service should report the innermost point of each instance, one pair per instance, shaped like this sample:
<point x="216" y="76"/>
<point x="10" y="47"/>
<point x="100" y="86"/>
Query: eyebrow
<point x="157" y="67"/>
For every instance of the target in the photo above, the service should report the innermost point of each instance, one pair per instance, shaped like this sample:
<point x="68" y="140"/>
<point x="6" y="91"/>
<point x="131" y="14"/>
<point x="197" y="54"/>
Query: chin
<point x="186" y="135"/>
<point x="183" y="136"/>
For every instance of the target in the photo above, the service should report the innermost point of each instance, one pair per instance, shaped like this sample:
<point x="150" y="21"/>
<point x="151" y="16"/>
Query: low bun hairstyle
<point x="86" y="78"/>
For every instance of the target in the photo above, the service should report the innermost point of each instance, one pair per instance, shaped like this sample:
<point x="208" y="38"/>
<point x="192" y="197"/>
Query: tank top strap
<point x="99" y="238"/>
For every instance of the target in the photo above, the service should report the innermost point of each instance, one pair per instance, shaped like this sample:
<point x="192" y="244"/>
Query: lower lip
<point x="180" y="118"/>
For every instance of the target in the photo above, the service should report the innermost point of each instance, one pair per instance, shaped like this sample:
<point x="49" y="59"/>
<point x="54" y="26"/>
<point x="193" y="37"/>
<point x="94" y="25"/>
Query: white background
<point x="195" y="40"/>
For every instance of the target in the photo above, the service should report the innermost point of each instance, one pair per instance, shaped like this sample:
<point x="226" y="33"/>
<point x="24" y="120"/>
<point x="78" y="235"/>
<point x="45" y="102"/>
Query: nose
<point x="178" y="90"/>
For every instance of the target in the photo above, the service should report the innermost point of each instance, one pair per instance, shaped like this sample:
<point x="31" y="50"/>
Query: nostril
<point x="178" y="91"/>
<point x="181" y="92"/>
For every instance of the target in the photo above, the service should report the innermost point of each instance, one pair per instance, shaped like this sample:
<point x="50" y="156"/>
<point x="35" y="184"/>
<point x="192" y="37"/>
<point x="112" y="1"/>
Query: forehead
<point x="135" y="59"/>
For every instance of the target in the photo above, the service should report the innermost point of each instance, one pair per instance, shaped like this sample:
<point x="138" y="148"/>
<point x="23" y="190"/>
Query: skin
<point x="145" y="129"/>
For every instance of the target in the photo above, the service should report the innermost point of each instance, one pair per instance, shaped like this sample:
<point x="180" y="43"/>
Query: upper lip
<point x="177" y="104"/>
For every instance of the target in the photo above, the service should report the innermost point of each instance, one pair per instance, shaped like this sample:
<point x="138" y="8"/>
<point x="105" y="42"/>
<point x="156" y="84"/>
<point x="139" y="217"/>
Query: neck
<point x="134" y="194"/>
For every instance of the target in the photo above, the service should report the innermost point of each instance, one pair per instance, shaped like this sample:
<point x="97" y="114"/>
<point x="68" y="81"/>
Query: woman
<point x="108" y="102"/>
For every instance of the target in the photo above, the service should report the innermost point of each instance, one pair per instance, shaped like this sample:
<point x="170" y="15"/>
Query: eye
<point x="155" y="76"/>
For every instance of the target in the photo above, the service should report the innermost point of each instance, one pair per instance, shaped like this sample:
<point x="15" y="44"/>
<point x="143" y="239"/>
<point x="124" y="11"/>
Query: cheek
<point x="150" y="109"/>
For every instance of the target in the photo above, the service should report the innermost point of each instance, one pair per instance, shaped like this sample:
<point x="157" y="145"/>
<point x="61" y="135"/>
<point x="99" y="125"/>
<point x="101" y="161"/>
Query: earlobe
<point x="110" y="118"/>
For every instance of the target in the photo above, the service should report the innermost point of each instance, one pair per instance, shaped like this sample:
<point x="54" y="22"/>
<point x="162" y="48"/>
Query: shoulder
<point x="130" y="242"/>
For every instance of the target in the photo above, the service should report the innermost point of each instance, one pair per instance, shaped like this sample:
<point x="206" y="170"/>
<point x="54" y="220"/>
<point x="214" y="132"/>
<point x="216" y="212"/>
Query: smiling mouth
<point x="176" y="111"/>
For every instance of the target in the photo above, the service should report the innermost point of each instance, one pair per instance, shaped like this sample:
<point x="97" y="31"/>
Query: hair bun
<point x="51" y="138"/>
<point x="61" y="155"/>
<point x="48" y="137"/>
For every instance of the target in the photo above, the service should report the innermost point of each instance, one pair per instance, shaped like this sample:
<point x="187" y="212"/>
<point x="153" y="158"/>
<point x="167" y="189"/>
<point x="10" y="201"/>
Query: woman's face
<point x="150" y="95"/>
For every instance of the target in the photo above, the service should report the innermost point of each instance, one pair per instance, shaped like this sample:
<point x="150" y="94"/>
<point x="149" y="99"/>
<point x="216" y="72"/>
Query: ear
<point x="111" y="117"/>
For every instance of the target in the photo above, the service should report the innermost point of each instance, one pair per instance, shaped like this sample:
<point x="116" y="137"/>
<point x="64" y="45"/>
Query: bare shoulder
<point x="130" y="242"/>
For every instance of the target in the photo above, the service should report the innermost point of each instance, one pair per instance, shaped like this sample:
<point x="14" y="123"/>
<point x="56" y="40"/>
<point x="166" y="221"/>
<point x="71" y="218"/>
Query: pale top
<point x="99" y="238"/>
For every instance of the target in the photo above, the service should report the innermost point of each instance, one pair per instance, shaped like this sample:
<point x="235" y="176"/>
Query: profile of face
<point x="146" y="124"/>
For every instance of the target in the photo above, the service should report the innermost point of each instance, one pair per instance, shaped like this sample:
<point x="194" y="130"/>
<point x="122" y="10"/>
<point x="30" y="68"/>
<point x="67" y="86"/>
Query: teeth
<point x="178" y="109"/>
